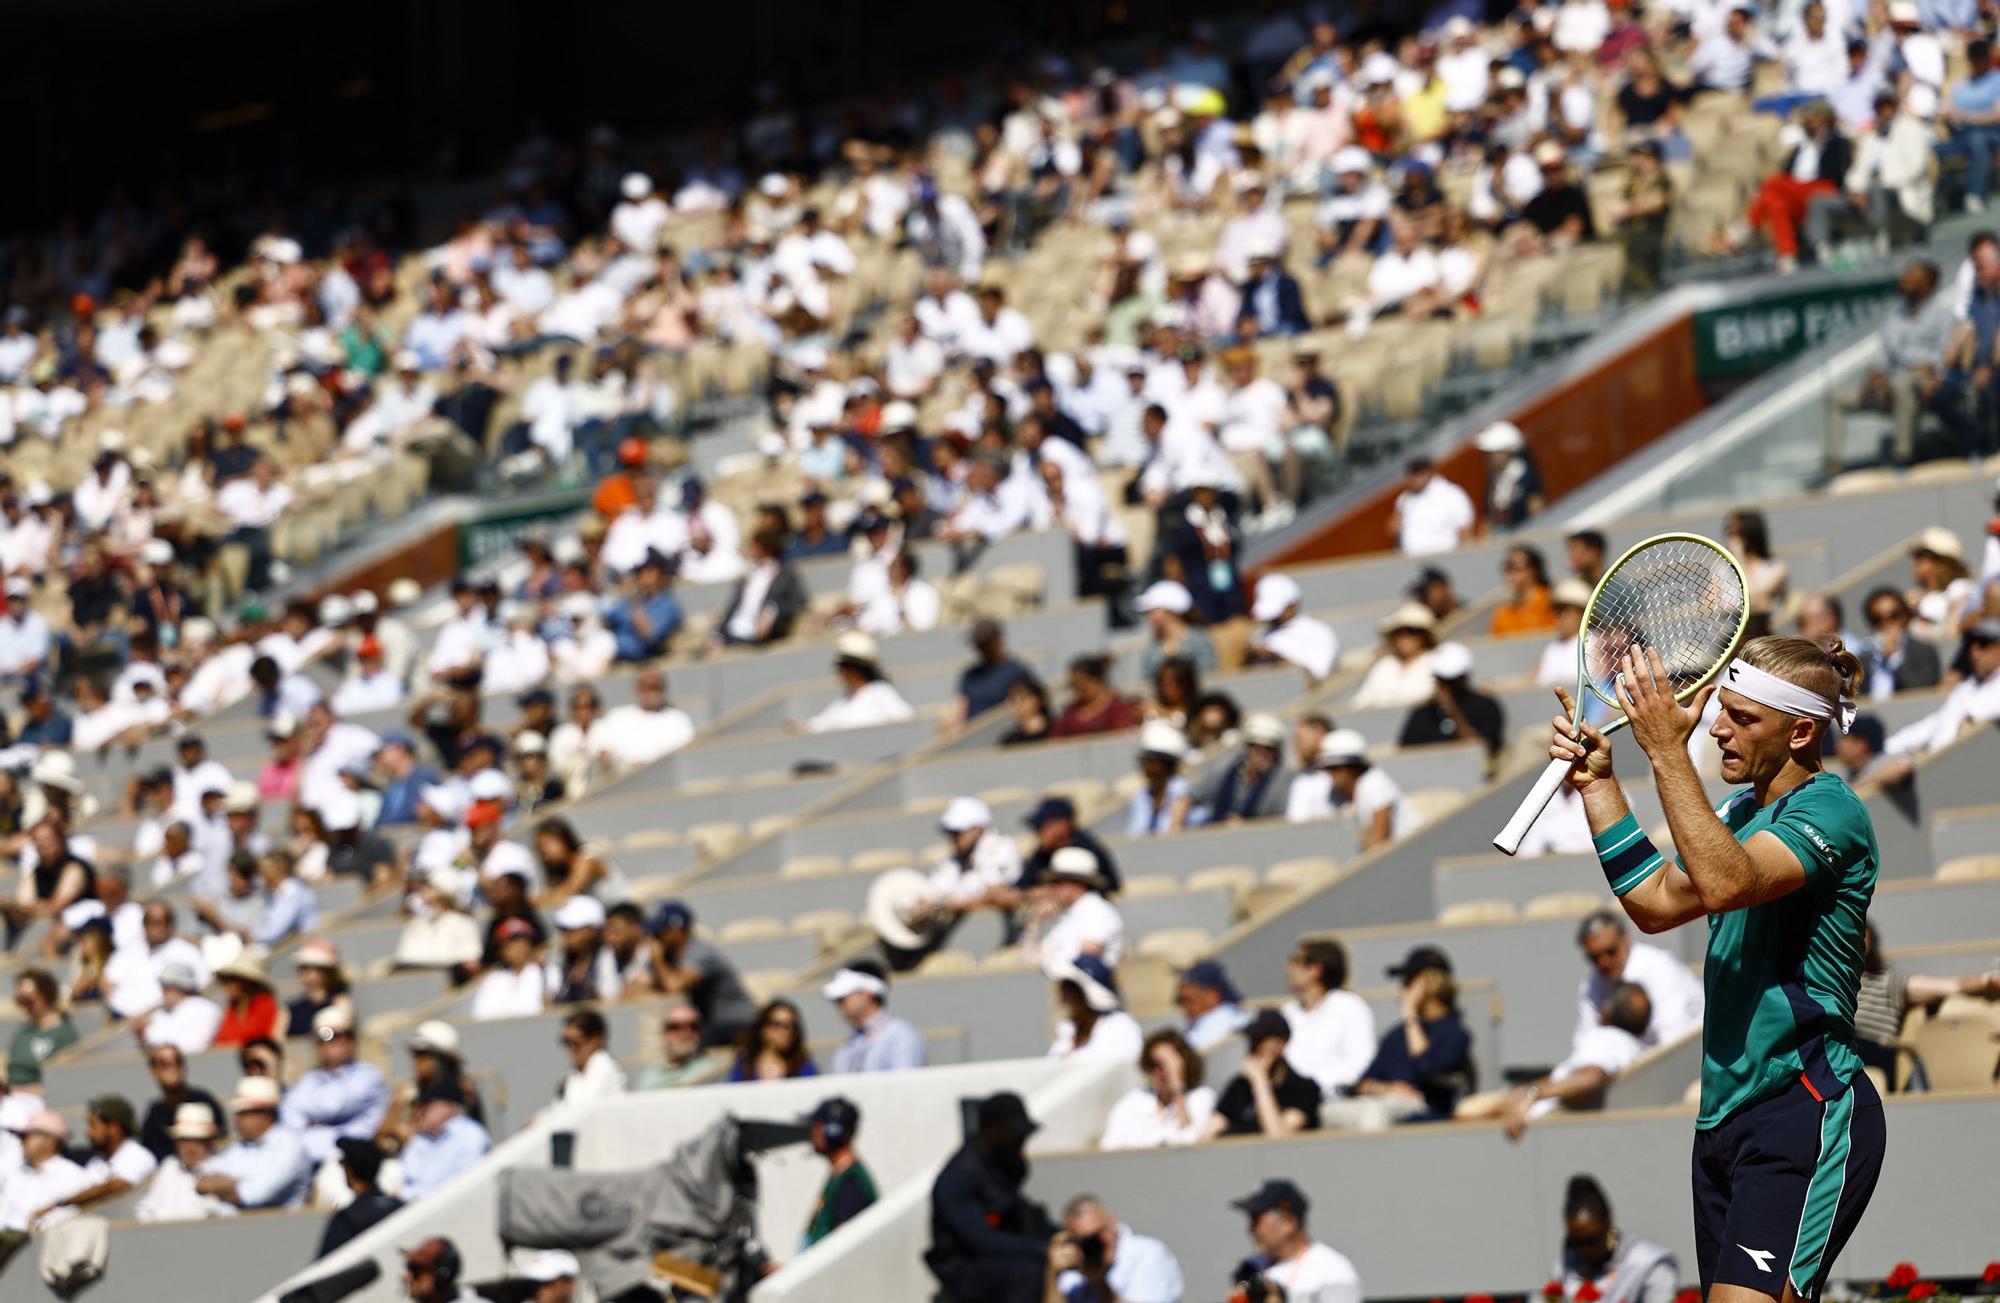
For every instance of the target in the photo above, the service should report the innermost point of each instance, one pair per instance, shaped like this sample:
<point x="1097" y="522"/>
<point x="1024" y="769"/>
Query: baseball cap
<point x="1006" y="1111"/>
<point x="1274" y="594"/>
<point x="1343" y="746"/>
<point x="1418" y="960"/>
<point x="1987" y="630"/>
<point x="437" y="1036"/>
<point x="361" y="1157"/>
<point x="281" y="725"/>
<point x="1868" y="728"/>
<point x="835" y="1110"/>
<point x="180" y="975"/>
<point x="579" y="911"/>
<point x="1266" y="1024"/>
<point x="444" y="1089"/>
<point x="483" y="813"/>
<point x="1264" y="729"/>
<point x="1274" y="1196"/>
<point x="1451" y="660"/>
<point x="514" y="927"/>
<point x="1165" y="595"/>
<point x="670" y="914"/>
<point x="965" y="813"/>
<point x="1212" y="976"/>
<point x="850" y="980"/>
<point x="490" y="785"/>
<point x="548" y="1265"/>
<point x="1051" y="808"/>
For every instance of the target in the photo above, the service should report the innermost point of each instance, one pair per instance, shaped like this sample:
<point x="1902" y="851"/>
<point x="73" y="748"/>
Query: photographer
<point x="1098" y="1259"/>
<point x="1305" y="1270"/>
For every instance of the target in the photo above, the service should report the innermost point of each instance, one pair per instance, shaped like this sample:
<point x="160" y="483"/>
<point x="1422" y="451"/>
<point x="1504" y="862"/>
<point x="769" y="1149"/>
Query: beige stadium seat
<point x="1948" y="468"/>
<point x="1433" y="803"/>
<point x="1179" y="946"/>
<point x="1863" y="481"/>
<point x="946" y="963"/>
<point x="1012" y="959"/>
<point x="715" y="839"/>
<point x="1125" y="786"/>
<point x="769" y="824"/>
<point x="1234" y="879"/>
<point x="1147" y="886"/>
<point x="1082" y="792"/>
<point x="877" y="861"/>
<point x="765" y="983"/>
<point x="650" y="839"/>
<point x="1958" y="1044"/>
<point x="760" y="928"/>
<point x="1563" y="904"/>
<point x="811" y="866"/>
<point x="1003" y="795"/>
<point x="1300" y="873"/>
<point x="1969" y="868"/>
<point x="829" y="925"/>
<point x="1472" y="913"/>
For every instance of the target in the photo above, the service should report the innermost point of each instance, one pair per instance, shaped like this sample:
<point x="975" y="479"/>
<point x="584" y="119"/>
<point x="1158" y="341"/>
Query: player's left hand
<point x="1660" y="724"/>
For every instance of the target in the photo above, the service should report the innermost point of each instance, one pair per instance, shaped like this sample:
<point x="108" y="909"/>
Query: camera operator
<point x="1098" y="1259"/>
<point x="1304" y="1269"/>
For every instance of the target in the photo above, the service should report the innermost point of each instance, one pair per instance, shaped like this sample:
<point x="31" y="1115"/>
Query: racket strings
<point x="1680" y="598"/>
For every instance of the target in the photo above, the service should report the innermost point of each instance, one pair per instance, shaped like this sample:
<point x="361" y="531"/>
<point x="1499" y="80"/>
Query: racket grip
<point x="1532" y="805"/>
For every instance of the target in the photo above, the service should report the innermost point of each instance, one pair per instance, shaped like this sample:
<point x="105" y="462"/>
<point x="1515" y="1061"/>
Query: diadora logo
<point x="1762" y="1257"/>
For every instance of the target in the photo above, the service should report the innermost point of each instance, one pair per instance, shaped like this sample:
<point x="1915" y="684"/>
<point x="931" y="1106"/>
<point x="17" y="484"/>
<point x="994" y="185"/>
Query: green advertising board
<point x="1752" y="336"/>
<point x="494" y="531"/>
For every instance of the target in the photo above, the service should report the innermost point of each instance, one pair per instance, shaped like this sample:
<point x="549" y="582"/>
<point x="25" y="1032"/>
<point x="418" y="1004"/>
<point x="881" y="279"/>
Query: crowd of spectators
<point x="557" y="337"/>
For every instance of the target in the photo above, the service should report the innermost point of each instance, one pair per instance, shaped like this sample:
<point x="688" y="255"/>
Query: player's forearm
<point x="1717" y="866"/>
<point x="1577" y="1090"/>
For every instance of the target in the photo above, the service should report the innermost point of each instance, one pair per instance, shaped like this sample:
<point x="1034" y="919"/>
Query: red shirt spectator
<point x="1093" y="706"/>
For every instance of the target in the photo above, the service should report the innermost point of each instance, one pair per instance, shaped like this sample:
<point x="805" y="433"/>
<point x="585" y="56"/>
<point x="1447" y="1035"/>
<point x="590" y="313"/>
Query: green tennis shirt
<point x="1782" y="977"/>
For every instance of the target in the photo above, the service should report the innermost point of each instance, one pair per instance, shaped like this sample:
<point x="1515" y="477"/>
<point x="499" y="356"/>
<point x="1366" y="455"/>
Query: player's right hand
<point x="1589" y="759"/>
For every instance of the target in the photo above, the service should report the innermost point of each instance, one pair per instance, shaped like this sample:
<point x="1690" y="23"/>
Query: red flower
<point x="1479" y="1298"/>
<point x="1902" y="1276"/>
<point x="1923" y="1289"/>
<point x="1588" y="1293"/>
<point x="1688" y="1296"/>
<point x="1991" y="1275"/>
<point x="1553" y="1291"/>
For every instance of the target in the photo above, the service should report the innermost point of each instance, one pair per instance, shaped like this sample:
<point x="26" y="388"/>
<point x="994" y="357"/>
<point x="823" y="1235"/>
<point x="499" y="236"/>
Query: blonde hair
<point x="1832" y="671"/>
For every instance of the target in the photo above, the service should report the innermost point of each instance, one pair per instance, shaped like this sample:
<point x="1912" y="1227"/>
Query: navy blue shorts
<point x="1780" y="1186"/>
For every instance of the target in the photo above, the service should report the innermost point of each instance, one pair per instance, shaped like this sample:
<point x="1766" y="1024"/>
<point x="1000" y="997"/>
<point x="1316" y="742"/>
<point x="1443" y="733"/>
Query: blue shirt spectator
<point x="330" y="1103"/>
<point x="441" y="1147"/>
<point x="985" y="683"/>
<point x="271" y="1169"/>
<point x="399" y="795"/>
<point x="881" y="1042"/>
<point x="642" y="621"/>
<point x="290" y="910"/>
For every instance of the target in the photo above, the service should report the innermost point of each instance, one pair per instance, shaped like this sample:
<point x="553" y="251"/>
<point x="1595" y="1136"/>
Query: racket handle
<point x="1532" y="805"/>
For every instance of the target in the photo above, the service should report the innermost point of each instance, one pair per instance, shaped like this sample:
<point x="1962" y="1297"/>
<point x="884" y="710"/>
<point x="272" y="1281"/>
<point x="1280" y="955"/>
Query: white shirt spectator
<point x="1253" y="417"/>
<point x="1333" y="1042"/>
<point x="1581" y="26"/>
<point x="503" y="993"/>
<point x="722" y="560"/>
<point x="637" y="224"/>
<point x="367" y="693"/>
<point x="1561" y="829"/>
<point x="1433" y="518"/>
<point x="1394" y="682"/>
<point x="1000" y="340"/>
<point x="910" y="370"/>
<point x="1370" y="203"/>
<point x="1116" y="1037"/>
<point x="1816" y="65"/>
<point x="1138" y="1121"/>
<point x="1319" y="1275"/>
<point x="599" y="1078"/>
<point x="1466" y="74"/>
<point x="995" y="862"/>
<point x="96" y="500"/>
<point x="1245" y="233"/>
<point x="945" y="320"/>
<point x="1610" y="1049"/>
<point x="250" y="507"/>
<point x="171" y="1197"/>
<point x="635" y="533"/>
<point x="551" y="409"/>
<point x="875" y="704"/>
<point x="189" y="1026"/>
<point x="630" y="736"/>
<point x="131" y="1163"/>
<point x="1305" y="642"/>
<point x="25" y="639"/>
<point x="27" y="1190"/>
<point x="1671" y="987"/>
<point x="1093" y="921"/>
<point x="916" y="609"/>
<point x="1972" y="701"/>
<point x="1311" y="797"/>
<point x="519" y="663"/>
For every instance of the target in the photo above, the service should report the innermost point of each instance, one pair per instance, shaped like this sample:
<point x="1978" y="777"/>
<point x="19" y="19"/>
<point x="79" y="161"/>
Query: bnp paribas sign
<point x="1757" y="333"/>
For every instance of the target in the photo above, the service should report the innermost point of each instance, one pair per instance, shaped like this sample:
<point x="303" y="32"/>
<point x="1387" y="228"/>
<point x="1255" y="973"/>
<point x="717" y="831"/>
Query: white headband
<point x="1768" y="689"/>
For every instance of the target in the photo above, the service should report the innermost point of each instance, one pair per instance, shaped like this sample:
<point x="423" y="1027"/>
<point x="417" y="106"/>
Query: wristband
<point x="1627" y="855"/>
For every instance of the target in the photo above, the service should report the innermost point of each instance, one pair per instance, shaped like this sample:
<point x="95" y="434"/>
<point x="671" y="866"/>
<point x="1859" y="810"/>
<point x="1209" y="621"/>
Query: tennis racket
<point x="1683" y="596"/>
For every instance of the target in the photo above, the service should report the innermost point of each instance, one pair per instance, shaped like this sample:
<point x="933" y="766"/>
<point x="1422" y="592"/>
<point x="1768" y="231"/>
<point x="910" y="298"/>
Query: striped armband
<point x="1627" y="855"/>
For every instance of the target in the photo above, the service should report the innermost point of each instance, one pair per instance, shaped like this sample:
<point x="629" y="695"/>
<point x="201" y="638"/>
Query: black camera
<point x="1248" y="1284"/>
<point x="1092" y="1249"/>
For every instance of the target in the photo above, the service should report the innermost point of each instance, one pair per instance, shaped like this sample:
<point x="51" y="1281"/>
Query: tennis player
<point x="1789" y="1141"/>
